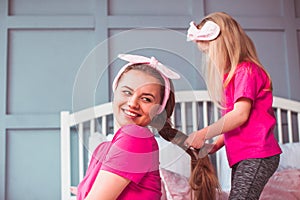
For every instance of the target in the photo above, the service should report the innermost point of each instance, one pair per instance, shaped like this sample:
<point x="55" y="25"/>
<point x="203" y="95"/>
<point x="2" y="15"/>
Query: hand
<point x="73" y="190"/>
<point x="196" y="139"/>
<point x="218" y="144"/>
<point x="205" y="150"/>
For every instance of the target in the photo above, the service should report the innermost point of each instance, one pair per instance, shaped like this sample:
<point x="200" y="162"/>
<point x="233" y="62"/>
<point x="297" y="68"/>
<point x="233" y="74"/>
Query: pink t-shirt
<point x="255" y="138"/>
<point x="133" y="154"/>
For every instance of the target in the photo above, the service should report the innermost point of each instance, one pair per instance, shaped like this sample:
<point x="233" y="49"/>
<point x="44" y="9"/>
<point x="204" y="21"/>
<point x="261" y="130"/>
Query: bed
<point x="82" y="131"/>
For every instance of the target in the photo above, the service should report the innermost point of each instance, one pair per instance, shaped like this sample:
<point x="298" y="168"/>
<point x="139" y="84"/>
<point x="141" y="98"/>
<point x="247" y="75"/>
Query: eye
<point x="127" y="92"/>
<point x="147" y="99"/>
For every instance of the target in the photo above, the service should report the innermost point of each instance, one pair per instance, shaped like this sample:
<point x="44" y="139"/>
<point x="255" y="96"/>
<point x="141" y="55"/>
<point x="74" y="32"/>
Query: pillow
<point x="283" y="184"/>
<point x="176" y="187"/>
<point x="289" y="157"/>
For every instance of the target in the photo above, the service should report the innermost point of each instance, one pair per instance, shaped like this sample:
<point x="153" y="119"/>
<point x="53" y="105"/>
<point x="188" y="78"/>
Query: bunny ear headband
<point x="209" y="31"/>
<point x="164" y="71"/>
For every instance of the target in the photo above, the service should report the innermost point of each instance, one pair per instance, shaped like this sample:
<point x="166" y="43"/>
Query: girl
<point x="242" y="88"/>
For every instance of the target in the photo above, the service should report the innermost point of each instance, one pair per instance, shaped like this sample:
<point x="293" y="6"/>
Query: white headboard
<point x="193" y="111"/>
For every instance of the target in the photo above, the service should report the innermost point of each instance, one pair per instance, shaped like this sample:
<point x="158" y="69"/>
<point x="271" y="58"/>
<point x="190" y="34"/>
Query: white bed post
<point x="65" y="155"/>
<point x="298" y="116"/>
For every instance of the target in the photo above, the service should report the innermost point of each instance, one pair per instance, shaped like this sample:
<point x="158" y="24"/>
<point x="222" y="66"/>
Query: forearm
<point x="228" y="122"/>
<point x="218" y="144"/>
<point x="233" y="119"/>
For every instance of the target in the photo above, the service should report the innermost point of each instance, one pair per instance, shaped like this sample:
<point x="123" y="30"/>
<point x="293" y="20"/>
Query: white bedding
<point x="290" y="157"/>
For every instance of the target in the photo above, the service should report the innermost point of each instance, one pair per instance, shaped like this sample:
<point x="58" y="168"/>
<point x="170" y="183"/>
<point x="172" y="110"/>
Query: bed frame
<point x="194" y="110"/>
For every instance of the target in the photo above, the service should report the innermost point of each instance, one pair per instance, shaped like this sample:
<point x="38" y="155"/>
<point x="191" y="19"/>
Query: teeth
<point x="130" y="113"/>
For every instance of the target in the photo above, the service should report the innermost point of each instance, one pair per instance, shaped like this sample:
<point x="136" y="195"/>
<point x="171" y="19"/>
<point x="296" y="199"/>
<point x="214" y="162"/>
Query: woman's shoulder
<point x="135" y="138"/>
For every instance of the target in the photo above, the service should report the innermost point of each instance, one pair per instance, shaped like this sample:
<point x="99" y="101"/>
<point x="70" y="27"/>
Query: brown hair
<point x="203" y="179"/>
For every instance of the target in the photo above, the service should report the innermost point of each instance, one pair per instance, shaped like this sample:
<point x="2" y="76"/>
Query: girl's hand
<point x="205" y="150"/>
<point x="73" y="190"/>
<point x="218" y="144"/>
<point x="196" y="139"/>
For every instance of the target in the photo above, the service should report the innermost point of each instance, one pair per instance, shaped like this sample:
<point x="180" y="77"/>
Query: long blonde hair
<point x="230" y="48"/>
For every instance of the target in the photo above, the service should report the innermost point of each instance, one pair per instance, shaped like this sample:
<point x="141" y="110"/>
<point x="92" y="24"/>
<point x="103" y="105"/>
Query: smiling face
<point x="137" y="98"/>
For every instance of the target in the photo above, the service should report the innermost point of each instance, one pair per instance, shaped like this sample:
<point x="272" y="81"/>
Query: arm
<point x="73" y="190"/>
<point x="107" y="186"/>
<point x="217" y="145"/>
<point x="231" y="120"/>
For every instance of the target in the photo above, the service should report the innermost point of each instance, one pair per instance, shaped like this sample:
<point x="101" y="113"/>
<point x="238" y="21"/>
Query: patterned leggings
<point x="249" y="177"/>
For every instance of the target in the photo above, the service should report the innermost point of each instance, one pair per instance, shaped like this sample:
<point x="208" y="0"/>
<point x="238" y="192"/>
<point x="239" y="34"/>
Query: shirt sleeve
<point x="134" y="152"/>
<point x="245" y="84"/>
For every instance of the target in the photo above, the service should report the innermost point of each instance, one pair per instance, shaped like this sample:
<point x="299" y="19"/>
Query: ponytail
<point x="203" y="180"/>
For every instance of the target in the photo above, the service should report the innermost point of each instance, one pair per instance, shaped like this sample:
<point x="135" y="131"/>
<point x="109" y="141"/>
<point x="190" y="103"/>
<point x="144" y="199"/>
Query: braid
<point x="203" y="180"/>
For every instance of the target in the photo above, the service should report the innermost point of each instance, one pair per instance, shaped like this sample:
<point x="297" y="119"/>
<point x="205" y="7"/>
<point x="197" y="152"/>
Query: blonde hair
<point x="230" y="48"/>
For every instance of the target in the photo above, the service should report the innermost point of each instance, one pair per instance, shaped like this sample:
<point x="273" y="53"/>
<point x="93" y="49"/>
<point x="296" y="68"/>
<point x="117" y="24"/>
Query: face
<point x="136" y="98"/>
<point x="202" y="46"/>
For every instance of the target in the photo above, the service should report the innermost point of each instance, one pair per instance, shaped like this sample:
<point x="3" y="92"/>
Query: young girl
<point x="240" y="85"/>
<point x="128" y="166"/>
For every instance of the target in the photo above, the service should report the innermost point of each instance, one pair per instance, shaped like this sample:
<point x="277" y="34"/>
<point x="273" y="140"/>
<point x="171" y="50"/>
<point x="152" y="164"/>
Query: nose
<point x="133" y="102"/>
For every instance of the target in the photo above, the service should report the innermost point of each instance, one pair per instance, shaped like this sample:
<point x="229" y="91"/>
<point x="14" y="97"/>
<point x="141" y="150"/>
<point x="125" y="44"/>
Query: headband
<point x="209" y="31"/>
<point x="164" y="71"/>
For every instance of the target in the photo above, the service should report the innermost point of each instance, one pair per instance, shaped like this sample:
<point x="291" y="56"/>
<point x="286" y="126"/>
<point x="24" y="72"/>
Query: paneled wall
<point x="61" y="55"/>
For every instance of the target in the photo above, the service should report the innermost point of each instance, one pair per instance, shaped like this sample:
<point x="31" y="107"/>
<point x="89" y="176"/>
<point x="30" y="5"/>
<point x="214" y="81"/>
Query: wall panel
<point x="149" y="8"/>
<point x="53" y="7"/>
<point x="297" y="8"/>
<point x="164" y="45"/>
<point x="245" y="8"/>
<point x="39" y="61"/>
<point x="270" y="46"/>
<point x="32" y="164"/>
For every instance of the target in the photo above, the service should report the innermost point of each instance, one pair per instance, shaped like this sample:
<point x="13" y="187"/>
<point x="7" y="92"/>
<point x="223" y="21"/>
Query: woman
<point x="128" y="166"/>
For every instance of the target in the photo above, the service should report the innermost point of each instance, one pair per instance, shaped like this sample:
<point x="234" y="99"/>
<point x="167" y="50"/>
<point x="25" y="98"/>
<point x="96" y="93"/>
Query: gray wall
<point x="46" y="66"/>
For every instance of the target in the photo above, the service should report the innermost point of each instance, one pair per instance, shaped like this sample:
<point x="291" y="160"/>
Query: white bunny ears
<point x="209" y="31"/>
<point x="164" y="71"/>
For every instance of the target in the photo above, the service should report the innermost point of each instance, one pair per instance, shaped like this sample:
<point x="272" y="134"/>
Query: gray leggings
<point x="249" y="177"/>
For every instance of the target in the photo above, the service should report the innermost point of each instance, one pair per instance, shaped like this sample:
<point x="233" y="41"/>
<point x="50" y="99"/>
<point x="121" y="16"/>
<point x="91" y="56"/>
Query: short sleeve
<point x="245" y="84"/>
<point x="133" y="153"/>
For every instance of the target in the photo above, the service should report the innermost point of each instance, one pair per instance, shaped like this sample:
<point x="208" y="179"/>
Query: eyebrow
<point x="147" y="94"/>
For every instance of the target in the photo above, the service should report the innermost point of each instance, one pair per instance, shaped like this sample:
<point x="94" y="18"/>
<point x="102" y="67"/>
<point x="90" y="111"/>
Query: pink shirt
<point x="255" y="138"/>
<point x="133" y="154"/>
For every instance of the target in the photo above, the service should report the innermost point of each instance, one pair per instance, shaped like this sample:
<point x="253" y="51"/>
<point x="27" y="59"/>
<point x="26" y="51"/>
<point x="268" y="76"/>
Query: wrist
<point x="206" y="136"/>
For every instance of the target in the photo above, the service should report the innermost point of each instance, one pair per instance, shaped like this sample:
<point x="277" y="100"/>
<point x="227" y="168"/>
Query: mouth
<point x="130" y="113"/>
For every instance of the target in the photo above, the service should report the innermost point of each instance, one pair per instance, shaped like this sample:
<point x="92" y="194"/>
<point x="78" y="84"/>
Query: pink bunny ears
<point x="209" y="31"/>
<point x="164" y="71"/>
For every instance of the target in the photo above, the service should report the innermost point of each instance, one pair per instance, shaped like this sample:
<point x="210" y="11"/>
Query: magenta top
<point x="133" y="154"/>
<point x="255" y="138"/>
